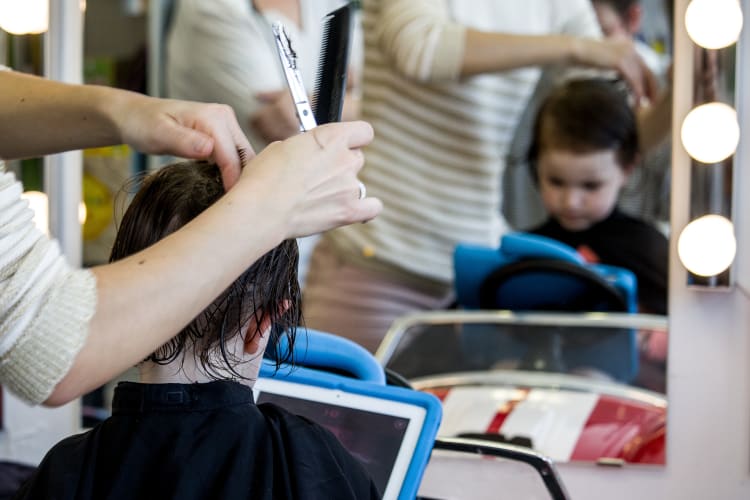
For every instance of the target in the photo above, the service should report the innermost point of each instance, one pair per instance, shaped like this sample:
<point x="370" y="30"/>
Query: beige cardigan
<point x="45" y="305"/>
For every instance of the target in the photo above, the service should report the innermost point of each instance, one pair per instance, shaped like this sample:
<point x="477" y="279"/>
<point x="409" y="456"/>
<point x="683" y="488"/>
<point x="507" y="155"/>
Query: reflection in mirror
<point x="645" y="196"/>
<point x="574" y="387"/>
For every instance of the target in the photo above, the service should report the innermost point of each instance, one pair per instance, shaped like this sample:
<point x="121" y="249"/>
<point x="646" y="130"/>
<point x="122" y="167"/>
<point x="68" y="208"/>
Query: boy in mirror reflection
<point x="584" y="147"/>
<point x="191" y="429"/>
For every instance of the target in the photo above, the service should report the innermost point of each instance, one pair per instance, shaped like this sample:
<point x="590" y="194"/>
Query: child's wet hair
<point x="167" y="200"/>
<point x="586" y="116"/>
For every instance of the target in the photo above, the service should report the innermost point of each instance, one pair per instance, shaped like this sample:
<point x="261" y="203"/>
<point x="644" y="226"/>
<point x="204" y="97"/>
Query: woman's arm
<point x="39" y="116"/>
<point x="424" y="43"/>
<point x="489" y="52"/>
<point x="304" y="185"/>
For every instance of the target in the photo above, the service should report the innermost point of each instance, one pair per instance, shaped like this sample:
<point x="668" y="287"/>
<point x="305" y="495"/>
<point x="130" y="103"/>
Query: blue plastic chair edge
<point x="326" y="350"/>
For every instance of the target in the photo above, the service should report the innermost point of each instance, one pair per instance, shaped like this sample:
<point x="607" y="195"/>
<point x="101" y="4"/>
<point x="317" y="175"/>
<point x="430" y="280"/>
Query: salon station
<point x="544" y="377"/>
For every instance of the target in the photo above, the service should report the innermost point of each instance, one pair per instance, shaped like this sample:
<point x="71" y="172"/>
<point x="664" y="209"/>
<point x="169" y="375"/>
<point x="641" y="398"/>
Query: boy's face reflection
<point x="579" y="189"/>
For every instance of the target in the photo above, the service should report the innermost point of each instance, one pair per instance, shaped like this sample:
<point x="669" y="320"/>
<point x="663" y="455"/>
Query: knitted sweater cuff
<point x="450" y="52"/>
<point x="41" y="357"/>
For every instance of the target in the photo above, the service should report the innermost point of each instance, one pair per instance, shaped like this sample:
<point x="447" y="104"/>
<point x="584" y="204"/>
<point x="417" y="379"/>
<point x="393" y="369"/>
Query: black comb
<point x="330" y="81"/>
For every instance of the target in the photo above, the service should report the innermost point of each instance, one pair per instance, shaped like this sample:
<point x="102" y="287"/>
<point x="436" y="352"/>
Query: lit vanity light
<point x="714" y="24"/>
<point x="24" y="17"/>
<point x="707" y="245"/>
<point x="710" y="132"/>
<point x="39" y="204"/>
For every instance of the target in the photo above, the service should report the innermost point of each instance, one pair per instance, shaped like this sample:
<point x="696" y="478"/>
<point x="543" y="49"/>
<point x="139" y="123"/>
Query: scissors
<point x="293" y="77"/>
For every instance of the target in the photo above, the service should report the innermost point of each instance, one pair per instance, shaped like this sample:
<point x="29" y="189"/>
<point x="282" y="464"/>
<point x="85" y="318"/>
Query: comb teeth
<point x="330" y="79"/>
<point x="242" y="153"/>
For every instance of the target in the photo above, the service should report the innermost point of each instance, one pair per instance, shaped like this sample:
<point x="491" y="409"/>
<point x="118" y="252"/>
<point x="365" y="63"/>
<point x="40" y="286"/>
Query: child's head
<point x="619" y="17"/>
<point x="585" y="144"/>
<point x="235" y="328"/>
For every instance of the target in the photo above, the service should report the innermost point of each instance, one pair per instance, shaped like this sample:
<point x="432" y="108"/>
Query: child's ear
<point x="256" y="335"/>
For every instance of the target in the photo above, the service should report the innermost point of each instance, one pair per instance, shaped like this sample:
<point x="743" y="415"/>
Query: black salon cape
<point x="199" y="441"/>
<point x="624" y="241"/>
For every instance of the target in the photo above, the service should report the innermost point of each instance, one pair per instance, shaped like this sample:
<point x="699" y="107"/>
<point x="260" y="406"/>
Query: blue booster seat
<point x="529" y="272"/>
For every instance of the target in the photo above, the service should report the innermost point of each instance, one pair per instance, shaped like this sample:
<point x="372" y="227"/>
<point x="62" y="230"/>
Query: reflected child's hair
<point x="167" y="200"/>
<point x="585" y="116"/>
<point x="621" y="7"/>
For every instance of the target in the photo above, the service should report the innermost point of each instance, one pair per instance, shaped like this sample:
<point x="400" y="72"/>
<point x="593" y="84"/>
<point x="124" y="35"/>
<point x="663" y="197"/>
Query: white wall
<point x="29" y="432"/>
<point x="708" y="442"/>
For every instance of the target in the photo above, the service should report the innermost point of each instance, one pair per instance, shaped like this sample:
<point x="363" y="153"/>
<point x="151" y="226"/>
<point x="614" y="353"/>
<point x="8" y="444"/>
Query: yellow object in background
<point x="105" y="171"/>
<point x="99" y="207"/>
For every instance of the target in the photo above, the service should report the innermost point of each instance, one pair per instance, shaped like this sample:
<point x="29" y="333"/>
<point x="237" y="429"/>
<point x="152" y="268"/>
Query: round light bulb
<point x="714" y="24"/>
<point x="707" y="245"/>
<point x="710" y="132"/>
<point x="82" y="213"/>
<point x="24" y="17"/>
<point x="39" y="204"/>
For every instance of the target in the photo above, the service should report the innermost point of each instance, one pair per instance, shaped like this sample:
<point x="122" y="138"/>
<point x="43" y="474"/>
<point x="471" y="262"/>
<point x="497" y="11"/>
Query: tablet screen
<point x="381" y="434"/>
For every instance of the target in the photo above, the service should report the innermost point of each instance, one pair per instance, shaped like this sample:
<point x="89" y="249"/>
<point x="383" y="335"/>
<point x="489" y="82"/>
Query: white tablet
<point x="389" y="429"/>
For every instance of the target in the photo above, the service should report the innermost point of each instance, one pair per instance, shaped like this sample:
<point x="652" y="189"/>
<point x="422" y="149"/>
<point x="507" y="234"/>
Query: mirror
<point x="537" y="349"/>
<point x="535" y="344"/>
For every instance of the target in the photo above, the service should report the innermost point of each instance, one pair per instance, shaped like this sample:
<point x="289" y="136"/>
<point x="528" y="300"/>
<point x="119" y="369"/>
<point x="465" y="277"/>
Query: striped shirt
<point x="440" y="142"/>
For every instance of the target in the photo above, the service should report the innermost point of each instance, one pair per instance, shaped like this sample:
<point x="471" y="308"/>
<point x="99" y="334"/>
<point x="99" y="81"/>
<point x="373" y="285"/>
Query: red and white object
<point x="567" y="418"/>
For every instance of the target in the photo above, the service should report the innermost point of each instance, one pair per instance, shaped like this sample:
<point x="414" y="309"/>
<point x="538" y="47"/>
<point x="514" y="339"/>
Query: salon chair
<point x="528" y="272"/>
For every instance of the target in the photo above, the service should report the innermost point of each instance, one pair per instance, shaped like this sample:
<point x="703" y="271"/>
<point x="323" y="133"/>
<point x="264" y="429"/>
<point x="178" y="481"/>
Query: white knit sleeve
<point x="419" y="37"/>
<point x="45" y="305"/>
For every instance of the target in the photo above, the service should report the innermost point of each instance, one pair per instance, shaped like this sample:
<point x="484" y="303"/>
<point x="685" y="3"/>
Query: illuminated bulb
<point x="707" y="245"/>
<point x="40" y="206"/>
<point x="710" y="132"/>
<point x="82" y="213"/>
<point x="22" y="17"/>
<point x="714" y="24"/>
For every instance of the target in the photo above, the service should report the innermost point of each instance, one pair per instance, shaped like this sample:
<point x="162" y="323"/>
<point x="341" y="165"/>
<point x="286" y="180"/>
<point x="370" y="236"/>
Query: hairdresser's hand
<point x="620" y="55"/>
<point x="277" y="118"/>
<point x="314" y="177"/>
<point x="182" y="128"/>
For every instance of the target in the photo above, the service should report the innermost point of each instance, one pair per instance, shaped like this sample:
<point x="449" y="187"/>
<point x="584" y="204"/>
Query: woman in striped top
<point x="444" y="85"/>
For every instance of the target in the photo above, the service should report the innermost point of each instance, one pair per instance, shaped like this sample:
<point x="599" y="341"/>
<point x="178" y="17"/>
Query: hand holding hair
<point x="39" y="117"/>
<point x="315" y="177"/>
<point x="621" y="56"/>
<point x="186" y="129"/>
<point x="297" y="187"/>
